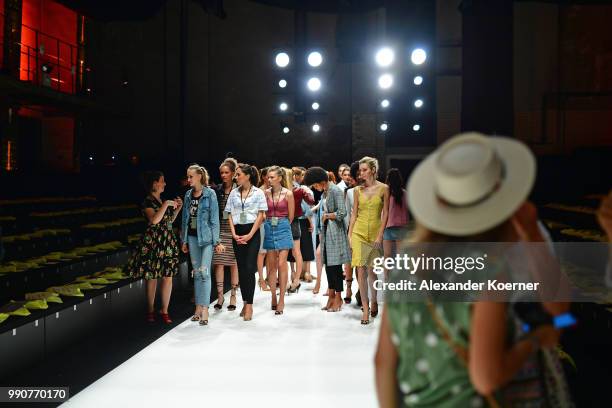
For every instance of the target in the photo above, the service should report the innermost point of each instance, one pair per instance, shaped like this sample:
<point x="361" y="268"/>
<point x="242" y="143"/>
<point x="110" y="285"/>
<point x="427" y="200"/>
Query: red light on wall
<point x="9" y="156"/>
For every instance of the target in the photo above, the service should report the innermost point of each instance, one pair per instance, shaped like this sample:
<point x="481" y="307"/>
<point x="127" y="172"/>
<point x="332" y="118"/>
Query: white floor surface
<point x="304" y="358"/>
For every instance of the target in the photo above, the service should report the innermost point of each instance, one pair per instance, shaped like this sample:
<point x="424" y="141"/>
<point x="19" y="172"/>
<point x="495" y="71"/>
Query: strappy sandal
<point x="195" y="318"/>
<point x="374" y="313"/>
<point x="347" y="299"/>
<point x="203" y="322"/>
<point x="219" y="306"/>
<point x="231" y="307"/>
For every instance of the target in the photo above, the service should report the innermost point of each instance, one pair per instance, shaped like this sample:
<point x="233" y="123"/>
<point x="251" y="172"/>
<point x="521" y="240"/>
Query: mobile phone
<point x="559" y="322"/>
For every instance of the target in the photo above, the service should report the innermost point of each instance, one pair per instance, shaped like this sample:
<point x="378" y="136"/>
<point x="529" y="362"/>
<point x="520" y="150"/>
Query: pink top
<point x="278" y="207"/>
<point x="398" y="214"/>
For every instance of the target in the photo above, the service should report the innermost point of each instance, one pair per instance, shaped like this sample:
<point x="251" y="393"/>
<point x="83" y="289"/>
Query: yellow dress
<point x="366" y="227"/>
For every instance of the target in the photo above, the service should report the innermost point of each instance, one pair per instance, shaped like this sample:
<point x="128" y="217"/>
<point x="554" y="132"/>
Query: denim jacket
<point x="208" y="218"/>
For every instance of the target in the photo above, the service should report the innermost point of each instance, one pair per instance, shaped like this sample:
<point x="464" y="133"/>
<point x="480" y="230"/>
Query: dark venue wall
<point x="166" y="83"/>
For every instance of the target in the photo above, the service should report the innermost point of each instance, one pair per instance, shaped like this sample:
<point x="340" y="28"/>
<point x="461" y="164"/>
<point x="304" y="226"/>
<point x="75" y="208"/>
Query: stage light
<point x="385" y="57"/>
<point x="418" y="80"/>
<point x="90" y="158"/>
<point x="315" y="106"/>
<point x="316" y="127"/>
<point x="286" y="129"/>
<point x="416" y="128"/>
<point x="315" y="59"/>
<point x="283" y="106"/>
<point x="113" y="157"/>
<point x="418" y="103"/>
<point x="418" y="56"/>
<point x="314" y="84"/>
<point x="385" y="81"/>
<point x="282" y="83"/>
<point x="282" y="59"/>
<point x="46" y="68"/>
<point x="385" y="103"/>
<point x="384" y="126"/>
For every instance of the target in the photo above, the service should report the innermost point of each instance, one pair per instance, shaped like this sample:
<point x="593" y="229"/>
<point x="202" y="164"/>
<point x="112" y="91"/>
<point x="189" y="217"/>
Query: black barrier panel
<point x="21" y="347"/>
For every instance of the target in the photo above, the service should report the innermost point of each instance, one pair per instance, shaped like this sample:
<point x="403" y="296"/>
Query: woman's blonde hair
<point x="281" y="173"/>
<point x="372" y="164"/>
<point x="201" y="171"/>
<point x="288" y="177"/>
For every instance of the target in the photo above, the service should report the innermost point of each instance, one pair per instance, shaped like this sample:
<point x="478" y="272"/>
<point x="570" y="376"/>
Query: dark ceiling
<point x="142" y="9"/>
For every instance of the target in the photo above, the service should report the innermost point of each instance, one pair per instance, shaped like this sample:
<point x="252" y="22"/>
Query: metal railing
<point x="49" y="62"/>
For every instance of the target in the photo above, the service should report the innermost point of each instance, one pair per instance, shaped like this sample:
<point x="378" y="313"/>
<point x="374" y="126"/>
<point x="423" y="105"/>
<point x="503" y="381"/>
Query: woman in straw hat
<point x="472" y="189"/>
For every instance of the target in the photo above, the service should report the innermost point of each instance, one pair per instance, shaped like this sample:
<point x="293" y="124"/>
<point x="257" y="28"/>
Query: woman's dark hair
<point x="149" y="178"/>
<point x="354" y="170"/>
<point x="332" y="176"/>
<point x="315" y="175"/>
<point x="262" y="175"/>
<point x="395" y="182"/>
<point x="250" y="171"/>
<point x="231" y="163"/>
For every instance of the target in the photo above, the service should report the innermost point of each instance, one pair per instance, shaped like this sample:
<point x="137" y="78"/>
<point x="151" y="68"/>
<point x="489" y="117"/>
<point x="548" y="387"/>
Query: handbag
<point x="552" y="392"/>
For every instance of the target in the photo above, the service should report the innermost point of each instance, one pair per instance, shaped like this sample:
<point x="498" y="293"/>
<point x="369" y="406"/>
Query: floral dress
<point x="156" y="255"/>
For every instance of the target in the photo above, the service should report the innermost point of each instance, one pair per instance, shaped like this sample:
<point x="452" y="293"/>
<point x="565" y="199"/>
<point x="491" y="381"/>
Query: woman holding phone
<point x="156" y="256"/>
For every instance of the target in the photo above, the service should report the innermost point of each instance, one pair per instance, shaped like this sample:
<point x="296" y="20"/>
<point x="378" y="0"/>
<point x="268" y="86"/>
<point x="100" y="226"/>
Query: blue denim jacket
<point x="208" y="218"/>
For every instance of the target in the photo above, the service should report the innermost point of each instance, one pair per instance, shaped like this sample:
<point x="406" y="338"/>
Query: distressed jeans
<point x="201" y="259"/>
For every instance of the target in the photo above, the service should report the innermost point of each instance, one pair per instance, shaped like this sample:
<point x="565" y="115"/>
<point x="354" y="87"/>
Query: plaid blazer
<point x="335" y="236"/>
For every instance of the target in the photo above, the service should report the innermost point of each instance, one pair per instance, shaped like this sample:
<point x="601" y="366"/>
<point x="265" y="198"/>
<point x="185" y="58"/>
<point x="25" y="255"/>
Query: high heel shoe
<point x="151" y="317"/>
<point x="232" y="306"/>
<point x="195" y="318"/>
<point x="204" y="322"/>
<point x="247" y="317"/>
<point x="294" y="290"/>
<point x="366" y="321"/>
<point x="219" y="306"/>
<point x="165" y="317"/>
<point x="347" y="299"/>
<point x="263" y="285"/>
<point x="374" y="313"/>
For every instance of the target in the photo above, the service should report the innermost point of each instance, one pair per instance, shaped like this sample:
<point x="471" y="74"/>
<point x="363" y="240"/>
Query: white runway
<point x="306" y="358"/>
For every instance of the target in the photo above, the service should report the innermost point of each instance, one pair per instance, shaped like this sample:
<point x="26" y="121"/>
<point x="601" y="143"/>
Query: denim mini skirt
<point x="277" y="237"/>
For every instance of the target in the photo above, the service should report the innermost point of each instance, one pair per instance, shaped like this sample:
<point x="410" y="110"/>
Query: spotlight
<point x="46" y="68"/>
<point x="384" y="126"/>
<point x="314" y="84"/>
<point x="385" y="81"/>
<point x="282" y="83"/>
<point x="385" y="103"/>
<point x="113" y="157"/>
<point x="416" y="128"/>
<point x="385" y="57"/>
<point x="283" y="106"/>
<point x="282" y="59"/>
<point x="316" y="127"/>
<point x="418" y="80"/>
<point x="90" y="158"/>
<point x="315" y="59"/>
<point x="286" y="129"/>
<point x="418" y="103"/>
<point x="315" y="106"/>
<point x="418" y="56"/>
